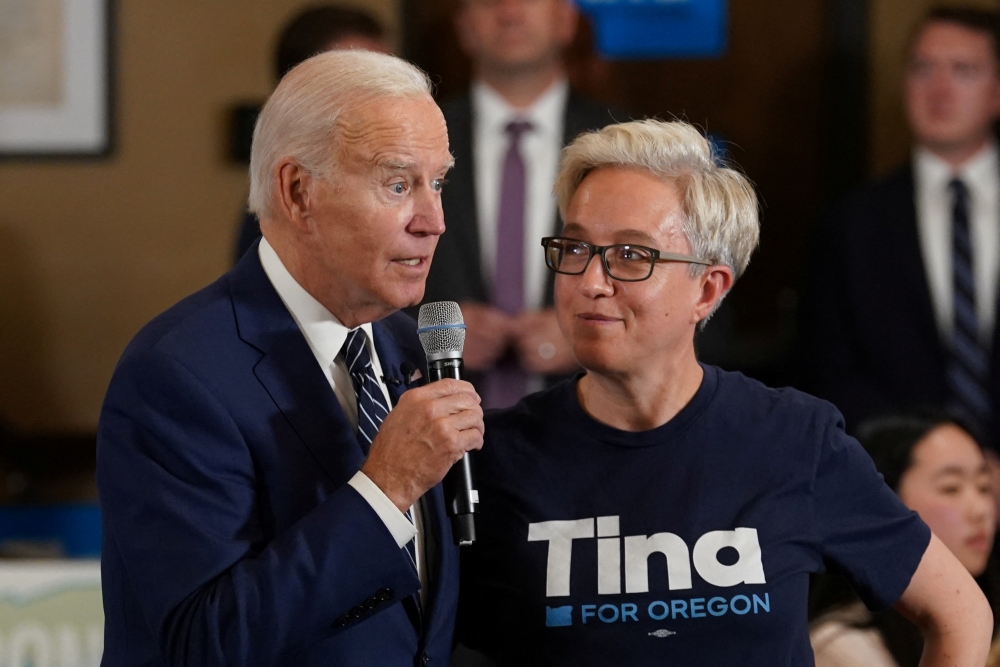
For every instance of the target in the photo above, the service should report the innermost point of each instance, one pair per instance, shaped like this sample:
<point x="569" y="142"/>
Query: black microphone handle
<point x="459" y="493"/>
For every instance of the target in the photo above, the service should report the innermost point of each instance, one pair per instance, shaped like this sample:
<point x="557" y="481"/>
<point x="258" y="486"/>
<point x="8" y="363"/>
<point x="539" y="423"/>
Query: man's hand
<point x="488" y="332"/>
<point x="541" y="346"/>
<point x="429" y="430"/>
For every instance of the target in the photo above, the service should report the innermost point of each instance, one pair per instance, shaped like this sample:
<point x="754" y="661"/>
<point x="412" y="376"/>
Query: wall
<point x="891" y="23"/>
<point x="94" y="249"/>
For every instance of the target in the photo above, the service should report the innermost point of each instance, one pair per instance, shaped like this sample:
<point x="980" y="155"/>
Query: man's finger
<point x="442" y="388"/>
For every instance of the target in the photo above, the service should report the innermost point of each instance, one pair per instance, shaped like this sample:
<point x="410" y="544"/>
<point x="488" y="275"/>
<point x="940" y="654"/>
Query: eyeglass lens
<point x="623" y="262"/>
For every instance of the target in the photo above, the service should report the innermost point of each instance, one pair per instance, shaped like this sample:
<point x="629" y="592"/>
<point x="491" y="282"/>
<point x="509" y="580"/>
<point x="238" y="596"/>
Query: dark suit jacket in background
<point x="231" y="536"/>
<point x="871" y="338"/>
<point x="456" y="273"/>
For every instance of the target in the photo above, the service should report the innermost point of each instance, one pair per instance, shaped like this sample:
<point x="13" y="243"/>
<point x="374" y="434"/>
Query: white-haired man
<point x="697" y="501"/>
<point x="269" y="478"/>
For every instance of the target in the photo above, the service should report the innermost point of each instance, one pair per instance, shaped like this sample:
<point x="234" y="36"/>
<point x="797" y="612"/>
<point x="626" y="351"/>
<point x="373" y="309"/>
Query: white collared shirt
<point x="540" y="149"/>
<point x="934" y="200"/>
<point x="326" y="335"/>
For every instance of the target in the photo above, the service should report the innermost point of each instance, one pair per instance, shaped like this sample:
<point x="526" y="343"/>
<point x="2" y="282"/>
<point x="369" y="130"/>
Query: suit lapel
<point x="393" y="352"/>
<point x="289" y="372"/>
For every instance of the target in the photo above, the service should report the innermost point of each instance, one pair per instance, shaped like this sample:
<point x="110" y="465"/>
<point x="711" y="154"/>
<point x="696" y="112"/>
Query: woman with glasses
<point x="657" y="511"/>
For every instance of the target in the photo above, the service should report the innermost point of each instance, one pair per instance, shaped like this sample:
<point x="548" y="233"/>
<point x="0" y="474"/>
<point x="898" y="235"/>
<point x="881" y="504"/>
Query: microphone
<point x="442" y="335"/>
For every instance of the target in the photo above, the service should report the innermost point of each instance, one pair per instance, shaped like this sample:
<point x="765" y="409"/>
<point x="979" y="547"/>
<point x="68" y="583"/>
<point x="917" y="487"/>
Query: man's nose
<point x="428" y="217"/>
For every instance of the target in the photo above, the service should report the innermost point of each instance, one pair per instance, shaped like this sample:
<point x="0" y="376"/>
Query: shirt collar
<point x="493" y="112"/>
<point x="979" y="171"/>
<point x="322" y="330"/>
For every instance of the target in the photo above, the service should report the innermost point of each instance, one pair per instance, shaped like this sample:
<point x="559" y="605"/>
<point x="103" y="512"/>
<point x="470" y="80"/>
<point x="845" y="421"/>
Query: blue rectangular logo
<point x="640" y="29"/>
<point x="556" y="617"/>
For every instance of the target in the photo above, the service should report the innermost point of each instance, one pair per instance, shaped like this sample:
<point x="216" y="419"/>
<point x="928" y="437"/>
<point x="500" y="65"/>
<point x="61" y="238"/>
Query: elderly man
<point x="659" y="511"/>
<point x="268" y="468"/>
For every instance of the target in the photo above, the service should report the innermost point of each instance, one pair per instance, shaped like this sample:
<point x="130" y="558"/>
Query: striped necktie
<point x="372" y="407"/>
<point x="968" y="365"/>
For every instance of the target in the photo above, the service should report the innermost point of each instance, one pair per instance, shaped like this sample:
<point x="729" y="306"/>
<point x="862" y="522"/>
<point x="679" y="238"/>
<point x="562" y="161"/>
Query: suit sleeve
<point x="179" y="491"/>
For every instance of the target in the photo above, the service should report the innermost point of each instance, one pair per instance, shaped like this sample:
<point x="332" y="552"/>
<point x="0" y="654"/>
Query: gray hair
<point x="301" y="118"/>
<point x="720" y="206"/>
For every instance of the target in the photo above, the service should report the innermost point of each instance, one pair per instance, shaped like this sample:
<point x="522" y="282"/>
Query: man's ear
<point x="715" y="281"/>
<point x="295" y="196"/>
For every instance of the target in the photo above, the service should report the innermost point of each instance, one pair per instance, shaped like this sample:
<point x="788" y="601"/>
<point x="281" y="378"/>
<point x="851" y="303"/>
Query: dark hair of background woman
<point x="890" y="441"/>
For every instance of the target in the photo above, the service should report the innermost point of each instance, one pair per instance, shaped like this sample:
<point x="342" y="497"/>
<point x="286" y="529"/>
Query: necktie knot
<point x="959" y="191"/>
<point x="516" y="128"/>
<point x="355" y="351"/>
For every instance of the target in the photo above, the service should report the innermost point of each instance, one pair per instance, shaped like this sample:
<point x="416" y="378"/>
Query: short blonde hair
<point x="301" y="118"/>
<point x="722" y="223"/>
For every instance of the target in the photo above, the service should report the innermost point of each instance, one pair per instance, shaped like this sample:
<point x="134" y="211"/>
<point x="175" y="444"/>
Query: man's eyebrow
<point x="393" y="164"/>
<point x="397" y="164"/>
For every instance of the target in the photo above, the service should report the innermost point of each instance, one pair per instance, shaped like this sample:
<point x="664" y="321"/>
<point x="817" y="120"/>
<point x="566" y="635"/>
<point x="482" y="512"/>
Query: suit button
<point x="424" y="659"/>
<point x="383" y="594"/>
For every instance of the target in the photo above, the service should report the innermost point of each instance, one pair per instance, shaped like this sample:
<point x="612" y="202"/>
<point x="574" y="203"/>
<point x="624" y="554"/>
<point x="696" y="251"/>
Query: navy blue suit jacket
<point x="230" y="534"/>
<point x="872" y="340"/>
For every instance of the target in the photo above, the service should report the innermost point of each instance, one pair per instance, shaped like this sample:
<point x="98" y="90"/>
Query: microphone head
<point x="441" y="330"/>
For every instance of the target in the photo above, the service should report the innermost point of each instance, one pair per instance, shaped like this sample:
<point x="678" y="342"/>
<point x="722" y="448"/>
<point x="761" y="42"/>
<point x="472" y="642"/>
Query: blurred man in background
<point x="903" y="306"/>
<point x="506" y="134"/>
<point x="311" y="31"/>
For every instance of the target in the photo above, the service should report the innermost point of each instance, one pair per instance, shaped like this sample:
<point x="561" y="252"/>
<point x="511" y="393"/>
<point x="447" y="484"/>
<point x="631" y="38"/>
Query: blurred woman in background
<point x="937" y="469"/>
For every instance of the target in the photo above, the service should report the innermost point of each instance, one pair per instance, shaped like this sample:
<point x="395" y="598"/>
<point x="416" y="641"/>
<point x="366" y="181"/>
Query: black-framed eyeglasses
<point x="623" y="261"/>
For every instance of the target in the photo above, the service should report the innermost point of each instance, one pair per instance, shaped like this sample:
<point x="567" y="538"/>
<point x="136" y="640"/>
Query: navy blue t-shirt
<point x="690" y="544"/>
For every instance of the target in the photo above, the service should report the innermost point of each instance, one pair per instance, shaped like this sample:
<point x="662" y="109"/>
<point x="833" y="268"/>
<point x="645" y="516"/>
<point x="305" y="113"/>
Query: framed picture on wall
<point x="55" y="78"/>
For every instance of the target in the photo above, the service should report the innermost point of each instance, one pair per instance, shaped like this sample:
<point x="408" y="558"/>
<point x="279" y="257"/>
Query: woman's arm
<point x="946" y="604"/>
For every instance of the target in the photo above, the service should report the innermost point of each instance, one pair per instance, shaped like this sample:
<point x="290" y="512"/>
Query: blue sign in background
<point x="643" y="29"/>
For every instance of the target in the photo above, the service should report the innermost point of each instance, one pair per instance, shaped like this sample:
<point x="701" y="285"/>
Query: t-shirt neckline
<point x="589" y="427"/>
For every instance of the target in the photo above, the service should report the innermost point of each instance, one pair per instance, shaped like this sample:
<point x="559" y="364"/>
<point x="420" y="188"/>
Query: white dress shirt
<point x="934" y="200"/>
<point x="540" y="149"/>
<point x="326" y="335"/>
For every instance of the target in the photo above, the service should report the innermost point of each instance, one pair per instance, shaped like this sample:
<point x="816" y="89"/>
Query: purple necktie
<point x="507" y="383"/>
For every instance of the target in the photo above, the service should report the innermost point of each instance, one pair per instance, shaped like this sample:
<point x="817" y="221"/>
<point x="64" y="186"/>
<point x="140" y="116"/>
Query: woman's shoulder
<point x="532" y="409"/>
<point x="840" y="639"/>
<point x="758" y="400"/>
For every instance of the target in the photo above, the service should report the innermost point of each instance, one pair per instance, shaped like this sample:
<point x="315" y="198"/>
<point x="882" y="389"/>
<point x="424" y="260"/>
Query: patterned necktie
<point x="506" y="384"/>
<point x="371" y="402"/>
<point x="968" y="366"/>
<point x="372" y="408"/>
